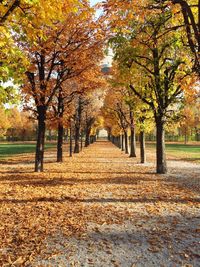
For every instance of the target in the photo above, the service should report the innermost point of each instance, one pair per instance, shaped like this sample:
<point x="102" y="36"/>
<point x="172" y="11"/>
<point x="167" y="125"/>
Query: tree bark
<point x="126" y="142"/>
<point x="122" y="142"/>
<point x="142" y="147"/>
<point x="60" y="142"/>
<point x="67" y="135"/>
<point x="39" y="155"/>
<point x="76" y="140"/>
<point x="161" y="165"/>
<point x="132" y="137"/>
<point x="60" y="126"/>
<point x="78" y="126"/>
<point x="70" y="140"/>
<point x="132" y="144"/>
<point x="119" y="142"/>
<point x="109" y="136"/>
<point x="81" y="140"/>
<point x="88" y="128"/>
<point x="87" y="137"/>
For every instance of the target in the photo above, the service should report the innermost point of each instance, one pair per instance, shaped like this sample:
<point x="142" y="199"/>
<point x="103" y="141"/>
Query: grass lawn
<point x="11" y="149"/>
<point x="189" y="152"/>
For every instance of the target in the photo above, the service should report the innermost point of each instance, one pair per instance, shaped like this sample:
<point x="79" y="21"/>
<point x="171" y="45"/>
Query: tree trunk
<point x="81" y="141"/>
<point x="142" y="147"/>
<point x="78" y="126"/>
<point x="132" y="144"/>
<point x="39" y="155"/>
<point x="60" y="142"/>
<point x="132" y="137"/>
<point x="160" y="146"/>
<point x="60" y="126"/>
<point x="67" y="135"/>
<point x="77" y="139"/>
<point x="70" y="141"/>
<point x="122" y="142"/>
<point x="87" y="137"/>
<point x="185" y="135"/>
<point x="126" y="142"/>
<point x="119" y="142"/>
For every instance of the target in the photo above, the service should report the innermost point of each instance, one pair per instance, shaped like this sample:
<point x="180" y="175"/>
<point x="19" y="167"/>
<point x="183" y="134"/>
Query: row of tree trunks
<point x="122" y="143"/>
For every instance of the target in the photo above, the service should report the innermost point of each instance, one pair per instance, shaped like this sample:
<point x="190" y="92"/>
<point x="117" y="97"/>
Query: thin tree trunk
<point x="60" y="127"/>
<point x="160" y="147"/>
<point x="87" y="137"/>
<point x="60" y="142"/>
<point x="126" y="142"/>
<point x="119" y="142"/>
<point x="142" y="147"/>
<point x="76" y="140"/>
<point x="78" y="127"/>
<point x="67" y="135"/>
<point x="185" y="137"/>
<point x="122" y="142"/>
<point x="132" y="143"/>
<point x="70" y="141"/>
<point x="132" y="137"/>
<point x="39" y="155"/>
<point x="81" y="140"/>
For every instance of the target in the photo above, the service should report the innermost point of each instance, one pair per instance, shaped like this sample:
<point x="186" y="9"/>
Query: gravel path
<point x="133" y="217"/>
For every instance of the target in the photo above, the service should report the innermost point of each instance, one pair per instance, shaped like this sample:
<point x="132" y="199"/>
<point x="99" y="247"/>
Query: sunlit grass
<point x="11" y="149"/>
<point x="189" y="152"/>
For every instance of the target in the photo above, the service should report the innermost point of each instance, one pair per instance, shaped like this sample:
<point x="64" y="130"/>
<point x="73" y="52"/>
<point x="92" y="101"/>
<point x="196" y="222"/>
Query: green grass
<point x="186" y="152"/>
<point x="11" y="149"/>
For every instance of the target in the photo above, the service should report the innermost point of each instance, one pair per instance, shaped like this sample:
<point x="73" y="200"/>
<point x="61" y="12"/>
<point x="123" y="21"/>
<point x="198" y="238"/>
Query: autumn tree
<point x="4" y="122"/>
<point x="56" y="58"/>
<point x="186" y="15"/>
<point x="91" y="111"/>
<point x="148" y="45"/>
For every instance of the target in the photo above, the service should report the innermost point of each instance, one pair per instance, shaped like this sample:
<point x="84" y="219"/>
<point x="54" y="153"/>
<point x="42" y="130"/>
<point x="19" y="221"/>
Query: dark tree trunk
<point x="122" y="142"/>
<point x="87" y="137"/>
<point x="60" y="142"/>
<point x="60" y="127"/>
<point x="126" y="142"/>
<point x="70" y="141"/>
<point x="119" y="142"/>
<point x="132" y="137"/>
<point x="76" y="140"/>
<point x="142" y="147"/>
<point x="78" y="126"/>
<point x="67" y="135"/>
<point x="88" y="128"/>
<point x="132" y="143"/>
<point x="81" y="140"/>
<point x="161" y="166"/>
<point x="185" y="137"/>
<point x="39" y="155"/>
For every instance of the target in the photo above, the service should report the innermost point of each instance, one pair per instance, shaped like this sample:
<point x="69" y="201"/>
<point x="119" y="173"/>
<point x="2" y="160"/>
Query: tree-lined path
<point x="99" y="208"/>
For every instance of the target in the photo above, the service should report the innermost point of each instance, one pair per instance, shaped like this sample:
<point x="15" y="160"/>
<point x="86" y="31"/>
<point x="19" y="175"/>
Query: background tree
<point x="149" y="46"/>
<point x="62" y="55"/>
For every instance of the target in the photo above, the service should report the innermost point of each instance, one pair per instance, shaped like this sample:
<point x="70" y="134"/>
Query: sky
<point x="108" y="59"/>
<point x="93" y="2"/>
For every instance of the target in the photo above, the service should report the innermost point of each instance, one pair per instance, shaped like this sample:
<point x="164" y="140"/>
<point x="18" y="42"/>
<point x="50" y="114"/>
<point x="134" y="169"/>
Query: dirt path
<point x="100" y="209"/>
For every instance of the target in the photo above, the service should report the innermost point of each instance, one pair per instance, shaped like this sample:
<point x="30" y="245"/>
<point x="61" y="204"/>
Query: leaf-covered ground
<point x="99" y="208"/>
